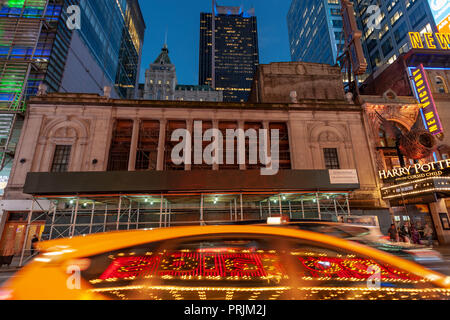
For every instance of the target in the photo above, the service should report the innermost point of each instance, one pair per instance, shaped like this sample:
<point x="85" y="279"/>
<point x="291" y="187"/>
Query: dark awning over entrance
<point x="179" y="181"/>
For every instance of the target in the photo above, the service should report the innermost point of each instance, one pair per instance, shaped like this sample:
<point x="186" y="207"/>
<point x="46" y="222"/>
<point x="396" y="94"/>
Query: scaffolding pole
<point x="138" y="213"/>
<point x="129" y="215"/>
<point x="53" y="222"/>
<point x="160" y="211"/>
<point x="260" y="210"/>
<point x="281" y="205"/>
<point x="118" y="213"/>
<point x="235" y="209"/>
<point x="242" y="208"/>
<point x="290" y="210"/>
<point x="92" y="217"/>
<point x="335" y="208"/>
<point x="348" y="205"/>
<point x="270" y="212"/>
<point x="75" y="216"/>
<point x="165" y="213"/>
<point x="303" y="209"/>
<point x="201" y="210"/>
<point x="170" y="214"/>
<point x="27" y="230"/>
<point x="106" y="216"/>
<point x="318" y="206"/>
<point x="231" y="210"/>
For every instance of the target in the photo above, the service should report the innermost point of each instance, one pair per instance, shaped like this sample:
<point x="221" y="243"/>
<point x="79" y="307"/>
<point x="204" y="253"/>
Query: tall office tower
<point x="40" y="43"/>
<point x="385" y="34"/>
<point x="315" y="30"/>
<point x="229" y="52"/>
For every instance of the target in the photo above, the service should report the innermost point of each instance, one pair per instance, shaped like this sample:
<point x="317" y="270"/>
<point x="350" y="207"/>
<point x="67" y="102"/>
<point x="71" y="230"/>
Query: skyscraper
<point x="161" y="78"/>
<point x="385" y="35"/>
<point x="229" y="51"/>
<point x="38" y="46"/>
<point x="161" y="83"/>
<point x="315" y="30"/>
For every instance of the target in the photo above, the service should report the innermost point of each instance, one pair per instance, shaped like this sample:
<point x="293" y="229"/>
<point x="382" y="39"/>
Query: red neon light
<point x="122" y="268"/>
<point x="350" y="268"/>
<point x="243" y="265"/>
<point x="180" y="264"/>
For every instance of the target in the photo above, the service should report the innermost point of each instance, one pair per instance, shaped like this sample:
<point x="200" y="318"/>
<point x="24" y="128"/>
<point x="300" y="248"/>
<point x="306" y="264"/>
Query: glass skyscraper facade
<point x="386" y="39"/>
<point x="114" y="33"/>
<point x="233" y="34"/>
<point x="36" y="46"/>
<point x="315" y="30"/>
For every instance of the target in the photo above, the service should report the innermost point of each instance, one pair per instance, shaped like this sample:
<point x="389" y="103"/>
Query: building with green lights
<point x="39" y="46"/>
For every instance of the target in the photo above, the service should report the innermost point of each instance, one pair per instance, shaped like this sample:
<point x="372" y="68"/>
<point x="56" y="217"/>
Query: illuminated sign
<point x="441" y="13"/>
<point x="439" y="41"/>
<point x="416" y="171"/>
<point x="417" y="191"/>
<point x="425" y="97"/>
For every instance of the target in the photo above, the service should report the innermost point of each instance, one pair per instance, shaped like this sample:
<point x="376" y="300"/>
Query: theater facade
<point x="414" y="181"/>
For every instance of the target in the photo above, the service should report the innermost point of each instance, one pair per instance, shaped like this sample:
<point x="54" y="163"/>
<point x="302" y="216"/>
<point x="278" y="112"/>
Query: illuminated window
<point x="395" y="17"/>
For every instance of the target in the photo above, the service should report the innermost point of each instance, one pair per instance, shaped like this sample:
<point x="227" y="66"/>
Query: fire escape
<point x="20" y="31"/>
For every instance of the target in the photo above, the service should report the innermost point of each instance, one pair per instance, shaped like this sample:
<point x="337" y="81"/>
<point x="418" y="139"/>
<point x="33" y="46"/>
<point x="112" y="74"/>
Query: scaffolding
<point x="20" y="31"/>
<point x="79" y="215"/>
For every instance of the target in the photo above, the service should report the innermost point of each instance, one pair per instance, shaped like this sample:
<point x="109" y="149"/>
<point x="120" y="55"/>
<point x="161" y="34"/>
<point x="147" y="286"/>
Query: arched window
<point x="441" y="85"/>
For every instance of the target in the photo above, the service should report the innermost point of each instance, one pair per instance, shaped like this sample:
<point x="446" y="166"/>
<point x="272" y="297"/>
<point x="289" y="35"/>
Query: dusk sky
<point x="181" y="18"/>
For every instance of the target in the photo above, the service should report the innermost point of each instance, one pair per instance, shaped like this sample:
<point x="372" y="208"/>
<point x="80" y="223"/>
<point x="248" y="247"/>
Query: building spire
<point x="165" y="39"/>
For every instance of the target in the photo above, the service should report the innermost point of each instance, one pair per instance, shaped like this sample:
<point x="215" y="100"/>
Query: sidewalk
<point x="444" y="250"/>
<point x="14" y="267"/>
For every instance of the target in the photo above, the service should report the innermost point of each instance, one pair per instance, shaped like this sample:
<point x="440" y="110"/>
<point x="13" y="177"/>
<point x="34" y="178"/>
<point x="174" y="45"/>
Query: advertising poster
<point x="441" y="13"/>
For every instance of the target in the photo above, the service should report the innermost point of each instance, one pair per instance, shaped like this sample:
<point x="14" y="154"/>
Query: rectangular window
<point x="61" y="158"/>
<point x="119" y="153"/>
<point x="285" y="152"/>
<point x="387" y="47"/>
<point x="147" y="149"/>
<point x="331" y="158"/>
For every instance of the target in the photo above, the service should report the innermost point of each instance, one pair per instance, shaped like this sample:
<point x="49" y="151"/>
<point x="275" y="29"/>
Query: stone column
<point x="189" y="124"/>
<point x="134" y="145"/>
<point x="161" y="144"/>
<point x="437" y="208"/>
<point x="266" y="127"/>
<point x="216" y="126"/>
<point x="241" y="126"/>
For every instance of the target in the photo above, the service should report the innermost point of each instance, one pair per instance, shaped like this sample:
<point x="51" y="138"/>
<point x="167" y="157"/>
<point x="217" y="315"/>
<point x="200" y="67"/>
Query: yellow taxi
<point x="235" y="262"/>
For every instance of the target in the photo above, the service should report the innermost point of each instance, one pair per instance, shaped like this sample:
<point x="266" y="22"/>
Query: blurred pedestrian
<point x="33" y="244"/>
<point x="404" y="233"/>
<point x="393" y="234"/>
<point x="415" y="236"/>
<point x="428" y="234"/>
